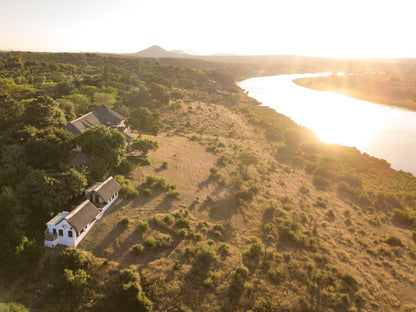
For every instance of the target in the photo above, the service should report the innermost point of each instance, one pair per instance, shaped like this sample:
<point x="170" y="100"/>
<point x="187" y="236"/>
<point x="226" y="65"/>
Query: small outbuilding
<point x="69" y="228"/>
<point x="103" y="194"/>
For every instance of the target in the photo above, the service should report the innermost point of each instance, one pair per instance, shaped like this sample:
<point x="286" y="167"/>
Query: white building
<point x="103" y="194"/>
<point x="69" y="228"/>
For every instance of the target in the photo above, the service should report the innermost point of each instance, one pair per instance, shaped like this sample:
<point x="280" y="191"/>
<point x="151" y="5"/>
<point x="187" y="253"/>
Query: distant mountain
<point x="156" y="51"/>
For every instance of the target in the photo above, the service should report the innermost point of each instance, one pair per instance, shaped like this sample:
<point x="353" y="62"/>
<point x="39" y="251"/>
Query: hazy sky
<point x="301" y="27"/>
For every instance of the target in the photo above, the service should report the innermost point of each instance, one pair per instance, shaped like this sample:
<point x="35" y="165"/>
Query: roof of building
<point x="83" y="214"/>
<point x="80" y="159"/>
<point x="107" y="115"/>
<point x="58" y="218"/>
<point x="106" y="189"/>
<point x="102" y="115"/>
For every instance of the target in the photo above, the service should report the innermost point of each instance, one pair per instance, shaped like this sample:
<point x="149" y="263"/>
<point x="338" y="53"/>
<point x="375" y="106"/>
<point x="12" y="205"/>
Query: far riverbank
<point x="378" y="88"/>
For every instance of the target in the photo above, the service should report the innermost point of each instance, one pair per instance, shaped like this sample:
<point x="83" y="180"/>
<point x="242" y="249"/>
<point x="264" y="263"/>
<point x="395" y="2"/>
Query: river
<point x="380" y="131"/>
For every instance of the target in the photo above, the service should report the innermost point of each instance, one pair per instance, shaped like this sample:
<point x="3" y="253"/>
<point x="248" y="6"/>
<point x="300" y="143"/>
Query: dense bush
<point x="127" y="189"/>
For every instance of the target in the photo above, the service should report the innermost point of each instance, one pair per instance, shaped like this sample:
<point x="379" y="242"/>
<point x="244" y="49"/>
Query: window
<point x="61" y="233"/>
<point x="54" y="231"/>
<point x="69" y="233"/>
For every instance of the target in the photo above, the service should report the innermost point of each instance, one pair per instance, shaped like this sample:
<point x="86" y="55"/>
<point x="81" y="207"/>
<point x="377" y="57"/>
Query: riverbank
<point x="378" y="88"/>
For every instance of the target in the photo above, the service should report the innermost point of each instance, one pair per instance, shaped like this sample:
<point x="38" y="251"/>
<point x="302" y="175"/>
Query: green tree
<point x="46" y="193"/>
<point x="142" y="119"/>
<point x="44" y="112"/>
<point x="102" y="143"/>
<point x="49" y="147"/>
<point x="144" y="145"/>
<point x="11" y="111"/>
<point x="106" y="99"/>
<point x="159" y="94"/>
<point x="12" y="307"/>
<point x="248" y="158"/>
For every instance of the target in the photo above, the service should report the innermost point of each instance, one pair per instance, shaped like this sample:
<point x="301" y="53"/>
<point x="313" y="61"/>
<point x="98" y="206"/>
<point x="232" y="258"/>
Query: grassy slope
<point x="352" y="241"/>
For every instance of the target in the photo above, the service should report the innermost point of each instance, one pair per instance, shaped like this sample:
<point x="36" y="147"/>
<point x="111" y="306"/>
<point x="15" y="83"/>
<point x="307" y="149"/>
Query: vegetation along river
<point x="381" y="131"/>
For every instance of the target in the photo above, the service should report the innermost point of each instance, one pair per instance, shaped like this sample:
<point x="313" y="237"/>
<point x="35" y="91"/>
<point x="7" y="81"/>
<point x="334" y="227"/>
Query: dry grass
<point x="351" y="241"/>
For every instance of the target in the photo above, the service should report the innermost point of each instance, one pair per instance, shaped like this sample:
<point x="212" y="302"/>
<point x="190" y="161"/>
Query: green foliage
<point x="12" y="307"/>
<point x="48" y="147"/>
<point x="127" y="188"/>
<point x="182" y="223"/>
<point x="103" y="143"/>
<point x="44" y="112"/>
<point x="142" y="119"/>
<point x="142" y="226"/>
<point x="173" y="193"/>
<point x="137" y="249"/>
<point x="304" y="190"/>
<point x="125" y="221"/>
<point x="28" y="253"/>
<point x="147" y="192"/>
<point x="207" y="254"/>
<point x="144" y="145"/>
<point x="394" y="241"/>
<point x="73" y="259"/>
<point x="157" y="182"/>
<point x="49" y="192"/>
<point x="160" y="241"/>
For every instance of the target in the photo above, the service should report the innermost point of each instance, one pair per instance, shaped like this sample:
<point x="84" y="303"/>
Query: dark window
<point x="54" y="231"/>
<point x="69" y="233"/>
<point x="61" y="233"/>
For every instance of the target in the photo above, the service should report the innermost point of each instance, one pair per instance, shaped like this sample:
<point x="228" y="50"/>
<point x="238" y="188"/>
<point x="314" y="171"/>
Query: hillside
<point x="392" y="88"/>
<point x="237" y="209"/>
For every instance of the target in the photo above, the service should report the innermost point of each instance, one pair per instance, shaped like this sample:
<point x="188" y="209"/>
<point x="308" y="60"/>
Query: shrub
<point x="183" y="223"/>
<point x="223" y="250"/>
<point x="165" y="164"/>
<point x="127" y="189"/>
<point x="304" y="190"/>
<point x="12" y="307"/>
<point x="128" y="275"/>
<point x="158" y="182"/>
<point x="168" y="219"/>
<point x="147" y="192"/>
<point x="394" y="241"/>
<point x="243" y="195"/>
<point x="207" y="254"/>
<point x="414" y="236"/>
<point x="137" y="249"/>
<point x="125" y="167"/>
<point x="142" y="226"/>
<point x="173" y="193"/>
<point x="349" y="280"/>
<point x="125" y="221"/>
<point x="182" y="233"/>
<point x="241" y="272"/>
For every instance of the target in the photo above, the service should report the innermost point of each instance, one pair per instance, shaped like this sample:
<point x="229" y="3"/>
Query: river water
<point x="381" y="131"/>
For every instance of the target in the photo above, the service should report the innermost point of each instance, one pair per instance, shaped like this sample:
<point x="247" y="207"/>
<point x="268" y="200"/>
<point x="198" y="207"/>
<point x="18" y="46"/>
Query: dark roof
<point x="83" y="214"/>
<point x="107" y="188"/>
<point x="102" y="115"/>
<point x="107" y="115"/>
<point x="80" y="159"/>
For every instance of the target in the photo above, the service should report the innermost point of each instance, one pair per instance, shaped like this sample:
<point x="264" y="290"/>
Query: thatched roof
<point x="102" y="115"/>
<point x="83" y="214"/>
<point x="80" y="159"/>
<point x="106" y="189"/>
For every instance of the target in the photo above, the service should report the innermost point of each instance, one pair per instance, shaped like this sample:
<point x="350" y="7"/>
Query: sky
<point x="328" y="28"/>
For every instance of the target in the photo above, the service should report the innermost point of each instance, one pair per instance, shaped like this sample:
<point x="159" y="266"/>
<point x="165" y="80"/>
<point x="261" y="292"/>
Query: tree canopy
<point x="142" y="119"/>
